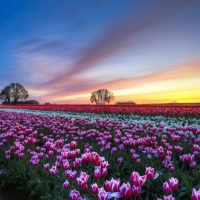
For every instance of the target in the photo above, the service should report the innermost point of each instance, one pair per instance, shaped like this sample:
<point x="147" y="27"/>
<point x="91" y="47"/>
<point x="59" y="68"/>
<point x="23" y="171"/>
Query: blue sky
<point x="61" y="51"/>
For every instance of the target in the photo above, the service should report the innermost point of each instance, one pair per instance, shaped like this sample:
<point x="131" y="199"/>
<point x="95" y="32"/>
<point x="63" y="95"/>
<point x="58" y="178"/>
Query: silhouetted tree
<point x="109" y="96"/>
<point x="18" y="92"/>
<point x="102" y="96"/>
<point x="94" y="97"/>
<point x="14" y="91"/>
<point x="126" y="102"/>
<point x="6" y="94"/>
<point x="25" y="102"/>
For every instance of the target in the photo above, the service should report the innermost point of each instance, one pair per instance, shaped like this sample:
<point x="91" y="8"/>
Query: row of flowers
<point x="57" y="157"/>
<point x="166" y="110"/>
<point x="173" y="122"/>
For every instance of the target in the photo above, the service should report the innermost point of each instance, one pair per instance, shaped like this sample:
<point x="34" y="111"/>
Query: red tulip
<point x="73" y="144"/>
<point x="170" y="197"/>
<point x="108" y="185"/>
<point x="104" y="171"/>
<point x="193" y="165"/>
<point x="46" y="166"/>
<point x="125" y="190"/>
<point x="134" y="176"/>
<point x="115" y="184"/>
<point x="102" y="194"/>
<point x="74" y="195"/>
<point x="66" y="184"/>
<point x="150" y="173"/>
<point x="173" y="183"/>
<point x="94" y="188"/>
<point x="82" y="180"/>
<point x="136" y="190"/>
<point x="53" y="170"/>
<point x="97" y="173"/>
<point x="166" y="187"/>
<point x="141" y="181"/>
<point x="195" y="194"/>
<point x="120" y="160"/>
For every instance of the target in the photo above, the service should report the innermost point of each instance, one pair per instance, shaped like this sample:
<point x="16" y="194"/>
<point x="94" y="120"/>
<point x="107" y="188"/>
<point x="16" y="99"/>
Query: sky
<point x="61" y="51"/>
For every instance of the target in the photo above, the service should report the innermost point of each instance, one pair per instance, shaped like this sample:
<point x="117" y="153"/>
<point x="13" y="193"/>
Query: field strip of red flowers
<point x="101" y="152"/>
<point x="146" y="109"/>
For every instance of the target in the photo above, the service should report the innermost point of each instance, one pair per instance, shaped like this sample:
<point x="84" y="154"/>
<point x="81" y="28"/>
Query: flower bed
<point x="166" y="110"/>
<point x="58" y="157"/>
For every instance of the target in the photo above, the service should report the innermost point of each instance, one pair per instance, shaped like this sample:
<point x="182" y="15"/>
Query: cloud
<point x="176" y="75"/>
<point x="56" y="65"/>
<point x="122" y="33"/>
<point x="40" y="60"/>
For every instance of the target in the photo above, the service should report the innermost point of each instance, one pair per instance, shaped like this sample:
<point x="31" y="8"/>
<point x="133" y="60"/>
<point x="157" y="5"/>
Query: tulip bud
<point x="195" y="194"/>
<point x="134" y="176"/>
<point x="136" y="190"/>
<point x="73" y="144"/>
<point x="97" y="173"/>
<point x="102" y="194"/>
<point x="66" y="184"/>
<point x="150" y="173"/>
<point x="173" y="183"/>
<point x="125" y="190"/>
<point x="166" y="187"/>
<point x="193" y="165"/>
<point x="74" y="195"/>
<point x="170" y="197"/>
<point x="138" y="161"/>
<point x="104" y="171"/>
<point x="94" y="188"/>
<point x="115" y="184"/>
<point x="141" y="181"/>
<point x="108" y="185"/>
<point x="120" y="160"/>
<point x="46" y="166"/>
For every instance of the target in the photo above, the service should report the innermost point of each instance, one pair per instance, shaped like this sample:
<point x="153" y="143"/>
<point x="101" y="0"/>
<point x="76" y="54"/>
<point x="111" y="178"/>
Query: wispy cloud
<point x="171" y="76"/>
<point x="121" y="34"/>
<point x="55" y="65"/>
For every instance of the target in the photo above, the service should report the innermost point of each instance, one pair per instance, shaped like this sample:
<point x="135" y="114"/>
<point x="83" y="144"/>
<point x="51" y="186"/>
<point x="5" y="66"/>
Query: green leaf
<point x="197" y="186"/>
<point x="182" y="194"/>
<point x="22" y="187"/>
<point x="33" y="193"/>
<point x="183" y="189"/>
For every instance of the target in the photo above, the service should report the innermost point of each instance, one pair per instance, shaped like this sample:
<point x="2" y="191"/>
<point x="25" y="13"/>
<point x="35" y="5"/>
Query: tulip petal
<point x="149" y="156"/>
<point x="102" y="148"/>
<point x="114" y="194"/>
<point x="155" y="176"/>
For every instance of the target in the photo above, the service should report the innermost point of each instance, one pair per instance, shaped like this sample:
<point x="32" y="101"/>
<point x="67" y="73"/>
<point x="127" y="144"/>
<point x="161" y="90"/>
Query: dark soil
<point x="12" y="193"/>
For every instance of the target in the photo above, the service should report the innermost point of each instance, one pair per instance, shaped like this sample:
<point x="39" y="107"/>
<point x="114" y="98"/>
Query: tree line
<point x="14" y="92"/>
<point x="125" y="102"/>
<point x="102" y="96"/>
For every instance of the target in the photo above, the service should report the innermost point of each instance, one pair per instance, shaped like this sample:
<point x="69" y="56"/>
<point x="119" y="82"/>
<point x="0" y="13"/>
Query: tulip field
<point x="101" y="152"/>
